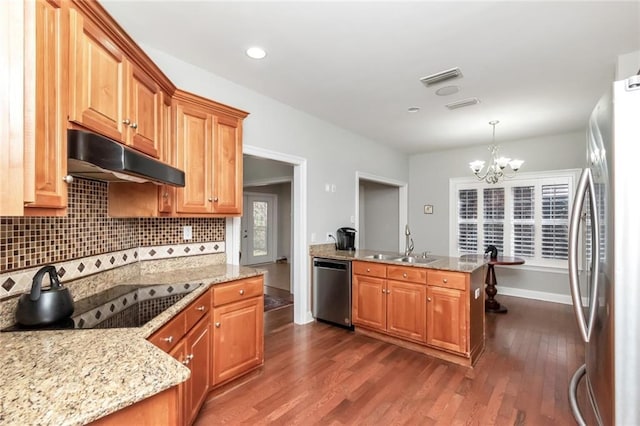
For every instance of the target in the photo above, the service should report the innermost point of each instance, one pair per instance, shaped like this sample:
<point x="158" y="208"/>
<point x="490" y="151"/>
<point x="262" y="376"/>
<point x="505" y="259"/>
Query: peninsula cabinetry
<point x="432" y="311"/>
<point x="209" y="149"/>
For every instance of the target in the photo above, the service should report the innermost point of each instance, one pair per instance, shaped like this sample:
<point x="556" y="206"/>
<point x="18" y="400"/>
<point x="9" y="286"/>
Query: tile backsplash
<point x="87" y="232"/>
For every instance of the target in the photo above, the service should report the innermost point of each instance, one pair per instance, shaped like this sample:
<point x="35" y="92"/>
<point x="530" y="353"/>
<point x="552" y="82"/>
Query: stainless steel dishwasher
<point x="332" y="291"/>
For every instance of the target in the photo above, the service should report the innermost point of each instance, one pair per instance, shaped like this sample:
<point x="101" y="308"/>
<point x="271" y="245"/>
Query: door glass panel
<point x="260" y="214"/>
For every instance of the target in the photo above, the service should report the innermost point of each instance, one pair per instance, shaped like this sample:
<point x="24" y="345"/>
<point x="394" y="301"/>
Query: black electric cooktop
<point x="122" y="306"/>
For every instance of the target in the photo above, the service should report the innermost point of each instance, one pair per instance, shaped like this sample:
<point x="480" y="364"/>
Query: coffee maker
<point x="346" y="239"/>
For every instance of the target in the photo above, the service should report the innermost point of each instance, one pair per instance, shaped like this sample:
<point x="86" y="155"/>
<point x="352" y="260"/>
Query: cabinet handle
<point x="242" y="292"/>
<point x="134" y="125"/>
<point x="210" y="199"/>
<point x="215" y="199"/>
<point x="217" y="325"/>
<point x="383" y="291"/>
<point x="67" y="179"/>
<point x="187" y="359"/>
<point x="200" y="308"/>
<point x="444" y="280"/>
<point x="404" y="275"/>
<point x="388" y="291"/>
<point x="126" y="121"/>
<point x="428" y="299"/>
<point x="368" y="270"/>
<point x="168" y="339"/>
<point x="165" y="195"/>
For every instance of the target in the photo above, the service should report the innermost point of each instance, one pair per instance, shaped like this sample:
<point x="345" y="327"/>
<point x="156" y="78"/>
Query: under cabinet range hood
<point x="95" y="157"/>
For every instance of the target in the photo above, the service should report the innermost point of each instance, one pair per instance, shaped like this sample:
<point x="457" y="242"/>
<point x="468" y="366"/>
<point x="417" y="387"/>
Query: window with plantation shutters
<point x="468" y="221"/>
<point x="527" y="216"/>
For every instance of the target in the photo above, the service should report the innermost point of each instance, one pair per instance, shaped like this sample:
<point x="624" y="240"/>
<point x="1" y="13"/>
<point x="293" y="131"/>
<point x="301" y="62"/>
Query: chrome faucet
<point x="408" y="246"/>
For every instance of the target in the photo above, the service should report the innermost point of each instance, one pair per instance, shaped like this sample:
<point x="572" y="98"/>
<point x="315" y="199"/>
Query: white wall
<point x="429" y="184"/>
<point x="258" y="170"/>
<point x="378" y="216"/>
<point x="333" y="154"/>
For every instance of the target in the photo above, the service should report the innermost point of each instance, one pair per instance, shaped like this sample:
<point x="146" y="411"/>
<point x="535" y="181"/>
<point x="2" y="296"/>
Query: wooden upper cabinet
<point x="50" y="148"/>
<point x="99" y="72"/>
<point x="145" y="113"/>
<point x="193" y="156"/>
<point x="209" y="150"/>
<point x="227" y="158"/>
<point x="110" y="95"/>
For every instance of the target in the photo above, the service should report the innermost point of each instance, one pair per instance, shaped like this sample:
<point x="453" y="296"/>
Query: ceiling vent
<point x="437" y="78"/>
<point x="463" y="103"/>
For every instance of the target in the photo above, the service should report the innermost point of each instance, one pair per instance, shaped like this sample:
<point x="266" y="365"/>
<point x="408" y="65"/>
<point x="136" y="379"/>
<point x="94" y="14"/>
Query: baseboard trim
<point x="564" y="299"/>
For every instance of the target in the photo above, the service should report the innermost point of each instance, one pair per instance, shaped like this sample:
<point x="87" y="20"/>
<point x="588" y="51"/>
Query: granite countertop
<point x="72" y="377"/>
<point x="467" y="263"/>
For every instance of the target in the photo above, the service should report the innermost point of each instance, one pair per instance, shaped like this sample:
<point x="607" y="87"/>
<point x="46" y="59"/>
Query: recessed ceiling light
<point x="256" y="52"/>
<point x="439" y="77"/>
<point x="463" y="103"/>
<point x="447" y="90"/>
<point x="413" y="109"/>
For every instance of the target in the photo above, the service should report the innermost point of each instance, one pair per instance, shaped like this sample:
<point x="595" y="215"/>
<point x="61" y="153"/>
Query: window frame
<point x="536" y="179"/>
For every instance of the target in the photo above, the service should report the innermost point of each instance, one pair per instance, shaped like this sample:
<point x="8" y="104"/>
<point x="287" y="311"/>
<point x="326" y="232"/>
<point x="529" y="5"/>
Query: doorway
<point x="259" y="229"/>
<point x="381" y="212"/>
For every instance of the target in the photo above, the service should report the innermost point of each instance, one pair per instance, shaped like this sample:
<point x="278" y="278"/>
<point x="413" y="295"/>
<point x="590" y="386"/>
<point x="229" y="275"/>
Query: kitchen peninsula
<point x="434" y="304"/>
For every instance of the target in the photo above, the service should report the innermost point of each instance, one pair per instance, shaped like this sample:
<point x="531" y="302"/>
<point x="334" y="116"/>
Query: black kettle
<point x="43" y="307"/>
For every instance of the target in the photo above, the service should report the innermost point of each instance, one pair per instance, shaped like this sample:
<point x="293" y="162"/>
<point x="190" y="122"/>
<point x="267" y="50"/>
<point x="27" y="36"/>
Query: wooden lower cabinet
<point x="160" y="409"/>
<point x="393" y="307"/>
<point x="238" y="338"/>
<point x="446" y="319"/>
<point x="406" y="310"/>
<point x="198" y="359"/>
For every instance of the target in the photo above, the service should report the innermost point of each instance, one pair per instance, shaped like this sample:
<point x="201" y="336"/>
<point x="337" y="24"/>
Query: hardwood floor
<point x="324" y="375"/>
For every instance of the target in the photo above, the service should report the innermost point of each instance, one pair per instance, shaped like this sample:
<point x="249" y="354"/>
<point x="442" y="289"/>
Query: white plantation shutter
<point x="468" y="221"/>
<point x="523" y="233"/>
<point x="555" y="221"/>
<point x="493" y="215"/>
<point x="527" y="216"/>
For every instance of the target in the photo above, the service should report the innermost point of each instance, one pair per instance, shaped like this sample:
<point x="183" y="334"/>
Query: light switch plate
<point x="477" y="293"/>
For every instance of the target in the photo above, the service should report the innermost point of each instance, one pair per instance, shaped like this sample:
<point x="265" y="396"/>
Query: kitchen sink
<point x="381" y="256"/>
<point x="414" y="259"/>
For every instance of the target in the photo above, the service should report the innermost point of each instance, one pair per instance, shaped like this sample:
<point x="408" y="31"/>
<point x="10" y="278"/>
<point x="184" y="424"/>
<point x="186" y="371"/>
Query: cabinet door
<point x="369" y="302"/>
<point x="179" y="352"/>
<point x="193" y="155"/>
<point x="407" y="310"/>
<point x="198" y="347"/>
<point x="238" y="338"/>
<point x="227" y="160"/>
<point x="446" y="319"/>
<point x="98" y="71"/>
<point x="50" y="106"/>
<point x="145" y="116"/>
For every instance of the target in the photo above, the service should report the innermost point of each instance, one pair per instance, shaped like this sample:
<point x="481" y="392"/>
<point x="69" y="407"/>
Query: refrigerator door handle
<point x="585" y="183"/>
<point x="573" y="392"/>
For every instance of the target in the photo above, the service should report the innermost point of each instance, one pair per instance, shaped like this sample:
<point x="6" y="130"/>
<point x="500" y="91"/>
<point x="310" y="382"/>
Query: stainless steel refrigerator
<point x="604" y="234"/>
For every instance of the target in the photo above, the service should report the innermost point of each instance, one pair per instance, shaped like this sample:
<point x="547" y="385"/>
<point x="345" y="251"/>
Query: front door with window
<point x="258" y="229"/>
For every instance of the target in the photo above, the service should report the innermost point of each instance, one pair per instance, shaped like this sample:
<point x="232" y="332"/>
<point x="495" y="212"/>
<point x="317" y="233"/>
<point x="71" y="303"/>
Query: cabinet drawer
<point x="369" y="268"/>
<point x="238" y="290"/>
<point x="414" y="275"/>
<point x="447" y="279"/>
<point x="169" y="335"/>
<point x="197" y="310"/>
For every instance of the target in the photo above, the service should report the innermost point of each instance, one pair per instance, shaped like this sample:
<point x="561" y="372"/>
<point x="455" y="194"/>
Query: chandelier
<point x="497" y="167"/>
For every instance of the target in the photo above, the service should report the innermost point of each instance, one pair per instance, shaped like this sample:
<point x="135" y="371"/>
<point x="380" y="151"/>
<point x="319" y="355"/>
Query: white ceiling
<point x="538" y="67"/>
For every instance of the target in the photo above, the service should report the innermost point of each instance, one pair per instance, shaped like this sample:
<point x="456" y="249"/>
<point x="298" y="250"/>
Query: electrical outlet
<point x="477" y="293"/>
<point x="329" y="237"/>
<point x="187" y="233"/>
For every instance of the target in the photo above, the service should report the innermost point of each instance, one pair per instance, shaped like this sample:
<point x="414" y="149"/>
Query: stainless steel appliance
<point x="346" y="239"/>
<point x="606" y="293"/>
<point x="332" y="291"/>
